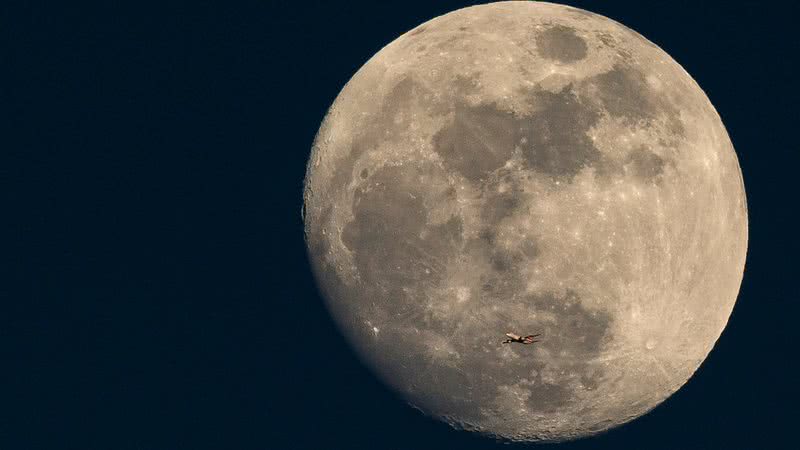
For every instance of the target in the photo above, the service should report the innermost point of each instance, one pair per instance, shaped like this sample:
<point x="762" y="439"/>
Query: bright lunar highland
<point x="530" y="168"/>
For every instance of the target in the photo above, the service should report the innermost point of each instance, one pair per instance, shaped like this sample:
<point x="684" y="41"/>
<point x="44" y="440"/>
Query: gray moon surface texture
<point x="530" y="168"/>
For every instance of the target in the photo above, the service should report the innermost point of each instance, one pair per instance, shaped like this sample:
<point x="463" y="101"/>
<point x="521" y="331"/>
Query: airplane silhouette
<point x="529" y="339"/>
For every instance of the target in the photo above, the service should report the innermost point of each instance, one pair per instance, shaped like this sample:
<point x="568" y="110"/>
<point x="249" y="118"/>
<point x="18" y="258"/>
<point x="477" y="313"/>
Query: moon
<point x="530" y="168"/>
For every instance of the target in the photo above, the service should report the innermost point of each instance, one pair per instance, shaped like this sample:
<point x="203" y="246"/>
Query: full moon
<point x="529" y="168"/>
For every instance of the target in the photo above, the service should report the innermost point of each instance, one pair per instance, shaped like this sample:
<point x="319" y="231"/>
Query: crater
<point x="562" y="44"/>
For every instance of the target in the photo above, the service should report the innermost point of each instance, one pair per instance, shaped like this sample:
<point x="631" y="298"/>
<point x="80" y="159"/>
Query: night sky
<point x="156" y="293"/>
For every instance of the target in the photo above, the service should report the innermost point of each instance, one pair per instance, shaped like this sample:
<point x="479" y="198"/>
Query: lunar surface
<point x="529" y="168"/>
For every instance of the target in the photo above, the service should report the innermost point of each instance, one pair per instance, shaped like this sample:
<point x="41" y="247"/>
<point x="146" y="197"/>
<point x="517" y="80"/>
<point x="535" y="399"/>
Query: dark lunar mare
<point x="554" y="139"/>
<point x="562" y="44"/>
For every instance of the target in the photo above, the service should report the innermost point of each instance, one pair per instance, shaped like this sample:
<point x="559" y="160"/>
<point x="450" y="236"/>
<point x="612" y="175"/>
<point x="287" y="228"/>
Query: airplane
<point x="529" y="339"/>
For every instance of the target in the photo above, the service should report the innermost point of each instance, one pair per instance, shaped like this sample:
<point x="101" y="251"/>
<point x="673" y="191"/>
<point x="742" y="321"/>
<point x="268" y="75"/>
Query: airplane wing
<point x="531" y="338"/>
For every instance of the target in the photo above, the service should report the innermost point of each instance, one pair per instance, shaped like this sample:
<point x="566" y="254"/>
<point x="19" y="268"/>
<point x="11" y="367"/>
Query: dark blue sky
<point x="156" y="293"/>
